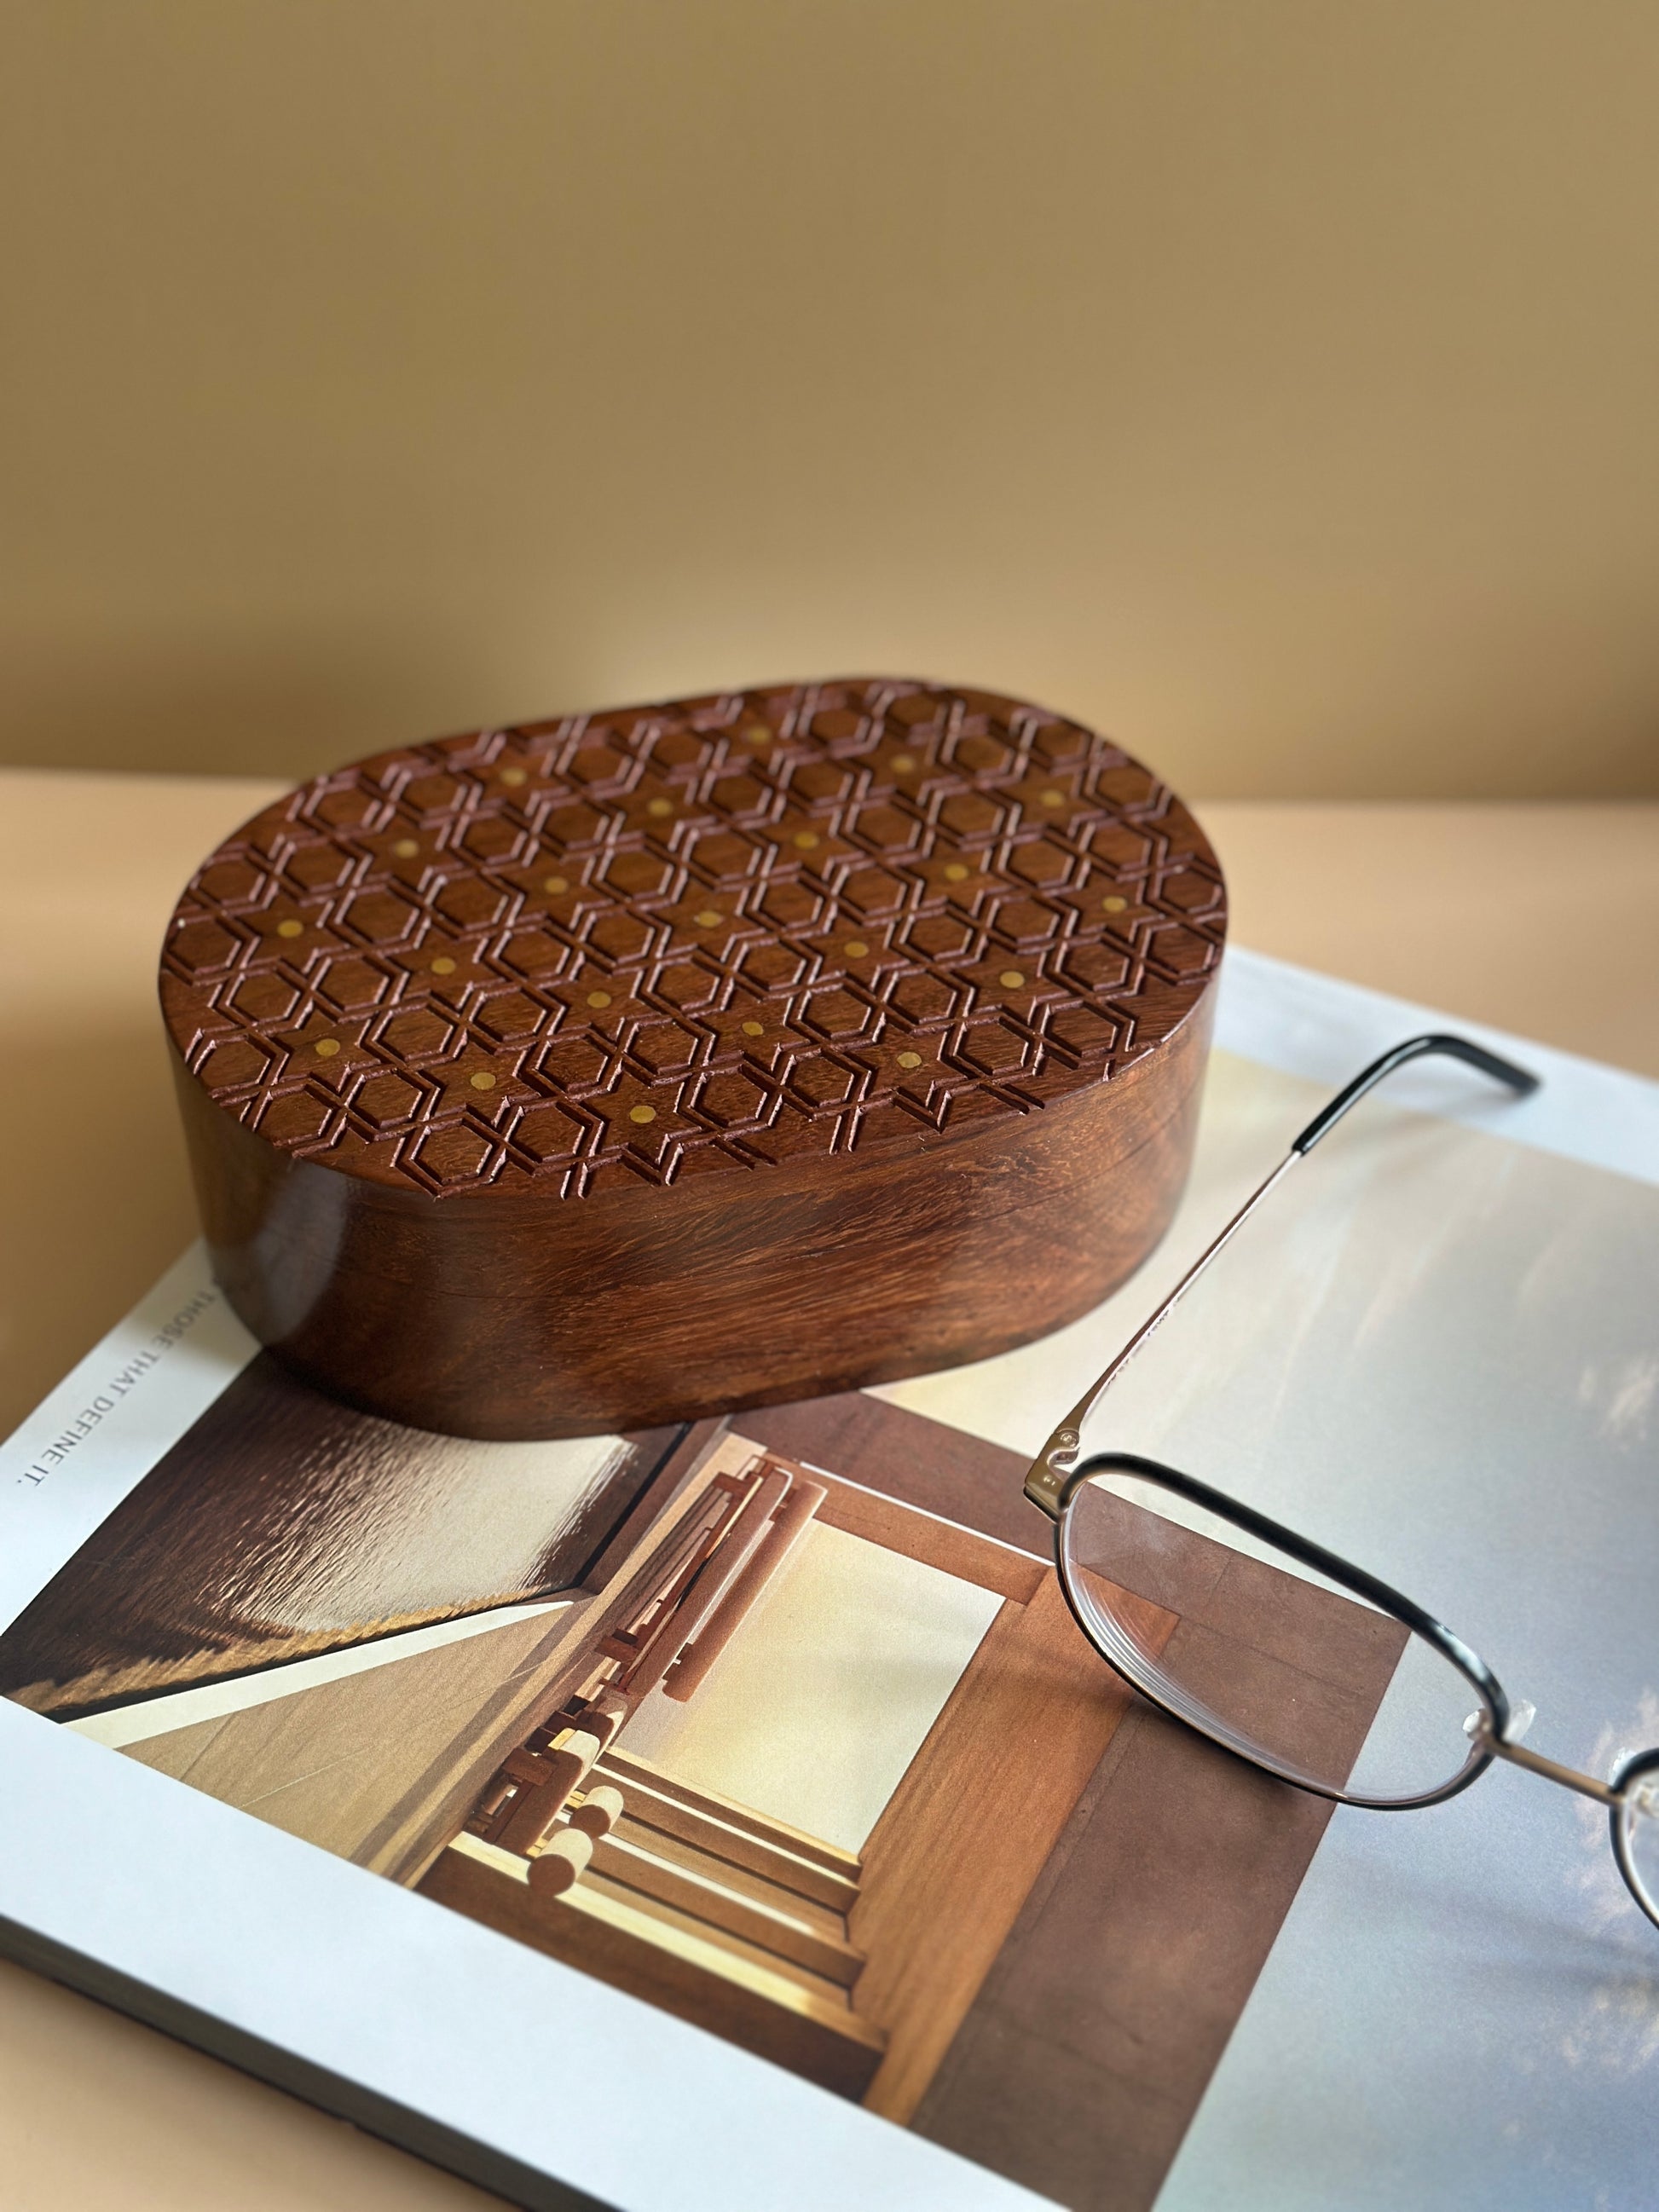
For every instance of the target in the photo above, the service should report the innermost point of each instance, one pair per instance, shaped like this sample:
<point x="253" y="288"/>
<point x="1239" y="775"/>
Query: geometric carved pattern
<point x="699" y="936"/>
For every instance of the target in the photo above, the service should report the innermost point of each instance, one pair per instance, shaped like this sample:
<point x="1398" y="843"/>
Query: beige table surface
<point x="1540" y="919"/>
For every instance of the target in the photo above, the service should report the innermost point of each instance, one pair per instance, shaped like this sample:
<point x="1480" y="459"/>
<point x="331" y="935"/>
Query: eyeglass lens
<point x="1259" y="1651"/>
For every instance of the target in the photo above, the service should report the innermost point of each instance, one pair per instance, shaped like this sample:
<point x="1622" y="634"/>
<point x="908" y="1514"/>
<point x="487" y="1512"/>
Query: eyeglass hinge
<point x="1046" y="1482"/>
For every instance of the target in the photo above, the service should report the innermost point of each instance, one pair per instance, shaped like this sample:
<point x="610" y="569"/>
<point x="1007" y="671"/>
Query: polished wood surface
<point x="1439" y="904"/>
<point x="598" y="1812"/>
<point x="941" y="1925"/>
<point x="763" y="1848"/>
<point x="628" y="1766"/>
<point x="707" y="1054"/>
<point x="637" y="1861"/>
<point x="645" y="1944"/>
<point x="113" y="2117"/>
<point x="787" y="1526"/>
<point x="1067" y="1902"/>
<point x="560" y="1864"/>
<point x="953" y="1550"/>
<point x="953" y="1857"/>
<point x="539" y="1805"/>
<point x="283" y="1524"/>
<point x="382" y="1767"/>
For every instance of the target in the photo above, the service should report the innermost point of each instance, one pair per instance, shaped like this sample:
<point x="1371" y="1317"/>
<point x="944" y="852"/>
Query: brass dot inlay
<point x="641" y="1114"/>
<point x="427" y="879"/>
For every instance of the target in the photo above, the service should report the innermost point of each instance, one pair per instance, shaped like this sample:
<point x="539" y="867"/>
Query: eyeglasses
<point x="1304" y="1665"/>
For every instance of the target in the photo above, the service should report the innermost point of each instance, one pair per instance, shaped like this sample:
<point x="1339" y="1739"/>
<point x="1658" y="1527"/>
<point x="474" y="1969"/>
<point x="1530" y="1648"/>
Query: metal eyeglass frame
<point x="1058" y="1474"/>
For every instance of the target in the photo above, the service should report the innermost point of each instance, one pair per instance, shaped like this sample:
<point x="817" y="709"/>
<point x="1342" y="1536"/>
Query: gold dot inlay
<point x="641" y="1114"/>
<point x="428" y="879"/>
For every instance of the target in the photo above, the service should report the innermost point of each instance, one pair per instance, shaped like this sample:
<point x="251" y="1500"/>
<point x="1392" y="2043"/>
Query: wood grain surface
<point x="1044" y="2010"/>
<point x="282" y="1524"/>
<point x="618" y="1937"/>
<point x="704" y="1054"/>
<point x="971" y="1827"/>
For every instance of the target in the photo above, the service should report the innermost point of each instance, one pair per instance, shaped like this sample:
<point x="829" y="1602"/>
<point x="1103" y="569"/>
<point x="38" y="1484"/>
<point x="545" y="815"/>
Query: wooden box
<point x="632" y="1066"/>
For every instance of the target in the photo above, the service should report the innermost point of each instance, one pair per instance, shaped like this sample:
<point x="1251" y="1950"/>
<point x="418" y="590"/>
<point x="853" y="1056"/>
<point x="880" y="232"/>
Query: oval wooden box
<point x="635" y="1065"/>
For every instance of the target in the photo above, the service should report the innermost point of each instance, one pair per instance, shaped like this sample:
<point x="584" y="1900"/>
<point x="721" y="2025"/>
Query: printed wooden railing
<point x="707" y="1908"/>
<point x="790" y="1519"/>
<point x="702" y="1587"/>
<point x="717" y="1911"/>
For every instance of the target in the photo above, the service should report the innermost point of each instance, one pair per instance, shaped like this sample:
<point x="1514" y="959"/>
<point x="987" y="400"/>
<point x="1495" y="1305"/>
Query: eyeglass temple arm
<point x="1045" y="1483"/>
<point x="1455" y="1048"/>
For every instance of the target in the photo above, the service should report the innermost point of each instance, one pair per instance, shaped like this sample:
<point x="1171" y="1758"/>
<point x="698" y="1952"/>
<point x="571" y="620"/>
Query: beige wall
<point x="1274" y="383"/>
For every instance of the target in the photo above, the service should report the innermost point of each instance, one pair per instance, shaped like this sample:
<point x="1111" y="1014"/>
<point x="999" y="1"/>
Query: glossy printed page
<point x="1436" y="1352"/>
<point x="1066" y="1933"/>
<point x="282" y="1525"/>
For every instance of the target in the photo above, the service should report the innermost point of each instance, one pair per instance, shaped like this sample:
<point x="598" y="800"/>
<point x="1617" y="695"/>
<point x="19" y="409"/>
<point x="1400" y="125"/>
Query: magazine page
<point x="733" y="1813"/>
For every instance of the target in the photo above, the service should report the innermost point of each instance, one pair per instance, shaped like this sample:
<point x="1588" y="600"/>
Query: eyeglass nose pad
<point x="1522" y="1714"/>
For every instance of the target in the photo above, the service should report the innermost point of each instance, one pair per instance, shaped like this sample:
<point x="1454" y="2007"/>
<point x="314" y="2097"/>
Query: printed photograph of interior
<point x="780" y="1723"/>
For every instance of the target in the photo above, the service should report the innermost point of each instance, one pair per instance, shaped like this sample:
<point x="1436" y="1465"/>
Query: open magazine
<point x="732" y="1815"/>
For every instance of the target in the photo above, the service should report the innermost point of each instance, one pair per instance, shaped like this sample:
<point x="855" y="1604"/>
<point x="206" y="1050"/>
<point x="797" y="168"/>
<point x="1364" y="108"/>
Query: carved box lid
<point x="691" y="938"/>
